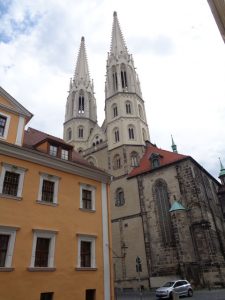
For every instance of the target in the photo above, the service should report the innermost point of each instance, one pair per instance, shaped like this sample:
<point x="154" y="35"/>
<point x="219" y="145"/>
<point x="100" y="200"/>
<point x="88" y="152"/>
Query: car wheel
<point x="171" y="295"/>
<point x="190" y="293"/>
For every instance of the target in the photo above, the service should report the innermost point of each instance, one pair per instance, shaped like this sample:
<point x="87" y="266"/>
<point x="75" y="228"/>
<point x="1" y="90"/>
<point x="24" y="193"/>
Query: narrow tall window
<point x="120" y="201"/>
<point x="65" y="154"/>
<point x="123" y="76"/>
<point x="48" y="191"/>
<point x="11" y="183"/>
<point x="81" y="102"/>
<point x="116" y="162"/>
<point x="4" y="241"/>
<point x="80" y="132"/>
<point x="131" y="133"/>
<point x="2" y="125"/>
<point x="42" y="252"/>
<point x="86" y="199"/>
<point x="115" y="81"/>
<point x="162" y="201"/>
<point x="128" y="108"/>
<point x="69" y="134"/>
<point x="85" y="254"/>
<point x="115" y="111"/>
<point x="134" y="159"/>
<point x="117" y="136"/>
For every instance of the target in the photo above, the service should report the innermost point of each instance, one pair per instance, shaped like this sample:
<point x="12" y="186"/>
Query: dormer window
<point x="155" y="160"/>
<point x="65" y="154"/>
<point x="53" y="150"/>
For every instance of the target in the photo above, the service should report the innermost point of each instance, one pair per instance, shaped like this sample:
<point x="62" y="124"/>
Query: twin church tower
<point x="119" y="142"/>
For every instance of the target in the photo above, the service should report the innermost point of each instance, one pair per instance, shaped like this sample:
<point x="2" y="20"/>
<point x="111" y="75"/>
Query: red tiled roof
<point x="165" y="158"/>
<point x="32" y="137"/>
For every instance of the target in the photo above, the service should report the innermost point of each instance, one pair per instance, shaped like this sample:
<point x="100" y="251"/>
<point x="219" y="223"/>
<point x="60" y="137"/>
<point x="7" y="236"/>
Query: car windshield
<point x="168" y="284"/>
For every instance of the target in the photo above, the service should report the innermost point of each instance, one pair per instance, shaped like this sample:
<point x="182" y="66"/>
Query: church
<point x="167" y="211"/>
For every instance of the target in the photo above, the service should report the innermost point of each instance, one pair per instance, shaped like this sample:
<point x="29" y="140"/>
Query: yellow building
<point x="54" y="216"/>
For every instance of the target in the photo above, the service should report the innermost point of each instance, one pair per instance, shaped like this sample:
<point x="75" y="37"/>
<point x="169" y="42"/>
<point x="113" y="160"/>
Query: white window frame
<point x="6" y="129"/>
<point x="93" y="194"/>
<point x="52" y="178"/>
<point x="15" y="169"/>
<point x="49" y="234"/>
<point x="92" y="240"/>
<point x="11" y="231"/>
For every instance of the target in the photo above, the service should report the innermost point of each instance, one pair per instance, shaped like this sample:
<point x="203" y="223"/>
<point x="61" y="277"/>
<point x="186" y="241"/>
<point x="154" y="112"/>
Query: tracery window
<point x="117" y="162"/>
<point x="81" y="102"/>
<point x="114" y="110"/>
<point x="134" y="159"/>
<point x="116" y="135"/>
<point x="160" y="193"/>
<point x="123" y="76"/>
<point x="120" y="200"/>
<point x="128" y="107"/>
<point x="115" y="80"/>
<point x="131" y="133"/>
<point x="80" y="132"/>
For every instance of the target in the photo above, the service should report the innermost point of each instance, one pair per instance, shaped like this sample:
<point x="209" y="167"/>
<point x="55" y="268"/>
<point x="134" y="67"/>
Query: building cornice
<point x="52" y="162"/>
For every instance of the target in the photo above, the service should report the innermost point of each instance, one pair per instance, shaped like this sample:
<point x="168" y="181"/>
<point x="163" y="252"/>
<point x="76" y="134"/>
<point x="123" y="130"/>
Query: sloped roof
<point x="16" y="106"/>
<point x="32" y="137"/>
<point x="165" y="157"/>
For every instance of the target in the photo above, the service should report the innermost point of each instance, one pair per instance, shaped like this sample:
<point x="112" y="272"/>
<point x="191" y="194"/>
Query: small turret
<point x="174" y="146"/>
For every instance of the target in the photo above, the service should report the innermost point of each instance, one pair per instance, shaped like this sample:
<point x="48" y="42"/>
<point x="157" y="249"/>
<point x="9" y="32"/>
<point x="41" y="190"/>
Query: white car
<point x="181" y="287"/>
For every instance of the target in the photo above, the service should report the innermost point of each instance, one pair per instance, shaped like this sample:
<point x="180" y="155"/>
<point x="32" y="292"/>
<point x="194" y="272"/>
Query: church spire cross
<point x="81" y="74"/>
<point x="118" y="45"/>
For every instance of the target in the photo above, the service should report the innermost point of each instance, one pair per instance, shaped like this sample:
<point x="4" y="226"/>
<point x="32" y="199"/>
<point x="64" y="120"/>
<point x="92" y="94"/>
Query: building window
<point x="123" y="77"/>
<point x="128" y="107"/>
<point x="69" y="134"/>
<point x="120" y="200"/>
<point x="53" y="150"/>
<point x="86" y="251"/>
<point x="160" y="193"/>
<point x="116" y="162"/>
<point x="81" y="102"/>
<point x="115" y="81"/>
<point x="131" y="133"/>
<point x="115" y="111"/>
<point x="144" y="135"/>
<point x="155" y="162"/>
<point x="47" y="296"/>
<point x="134" y="159"/>
<point x="11" y="180"/>
<point x="7" y="241"/>
<point x="4" y="125"/>
<point x="80" y="132"/>
<point x="65" y="154"/>
<point x="43" y="249"/>
<point x="116" y="135"/>
<point x="48" y="188"/>
<point x="87" y="198"/>
<point x="90" y="294"/>
<point x="140" y="110"/>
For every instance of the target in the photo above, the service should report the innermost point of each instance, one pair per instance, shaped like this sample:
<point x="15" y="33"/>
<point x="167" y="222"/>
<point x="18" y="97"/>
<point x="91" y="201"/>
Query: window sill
<point x="88" y="210"/>
<point x="46" y="203"/>
<point x="6" y="269"/>
<point x="11" y="197"/>
<point x="85" y="269"/>
<point x="41" y="269"/>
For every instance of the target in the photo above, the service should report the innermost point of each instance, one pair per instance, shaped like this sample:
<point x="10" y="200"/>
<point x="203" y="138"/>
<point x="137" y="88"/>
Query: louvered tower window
<point x="81" y="102"/>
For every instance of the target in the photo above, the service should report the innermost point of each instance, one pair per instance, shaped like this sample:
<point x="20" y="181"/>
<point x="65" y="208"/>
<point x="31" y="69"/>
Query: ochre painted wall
<point x="68" y="220"/>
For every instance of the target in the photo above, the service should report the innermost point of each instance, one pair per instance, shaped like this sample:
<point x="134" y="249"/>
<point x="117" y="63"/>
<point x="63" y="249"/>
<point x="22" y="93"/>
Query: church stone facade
<point x="164" y="205"/>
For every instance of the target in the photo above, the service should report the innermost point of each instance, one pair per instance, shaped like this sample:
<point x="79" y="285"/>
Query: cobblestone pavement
<point x="217" y="294"/>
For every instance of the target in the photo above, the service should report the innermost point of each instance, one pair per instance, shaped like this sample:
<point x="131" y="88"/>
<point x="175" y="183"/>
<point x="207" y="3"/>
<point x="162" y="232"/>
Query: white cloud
<point x="177" y="49"/>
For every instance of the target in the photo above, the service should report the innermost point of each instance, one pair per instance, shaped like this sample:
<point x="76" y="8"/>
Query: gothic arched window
<point x="81" y="102"/>
<point x="140" y="110"/>
<point x="134" y="159"/>
<point x="120" y="200"/>
<point x="69" y="134"/>
<point x="115" y="81"/>
<point x="80" y="132"/>
<point x="160" y="194"/>
<point x="123" y="76"/>
<point x="116" y="135"/>
<point x="128" y="107"/>
<point x="114" y="110"/>
<point x="116" y="162"/>
<point x="131" y="132"/>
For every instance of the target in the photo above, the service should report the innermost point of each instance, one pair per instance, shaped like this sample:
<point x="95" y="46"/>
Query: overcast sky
<point x="177" y="49"/>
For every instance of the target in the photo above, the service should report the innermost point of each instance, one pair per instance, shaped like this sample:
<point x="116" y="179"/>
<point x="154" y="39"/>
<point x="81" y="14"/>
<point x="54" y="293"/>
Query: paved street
<point x="218" y="294"/>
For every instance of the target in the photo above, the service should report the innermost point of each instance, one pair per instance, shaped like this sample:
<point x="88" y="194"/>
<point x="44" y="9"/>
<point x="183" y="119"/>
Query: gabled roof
<point x="165" y="158"/>
<point x="15" y="106"/>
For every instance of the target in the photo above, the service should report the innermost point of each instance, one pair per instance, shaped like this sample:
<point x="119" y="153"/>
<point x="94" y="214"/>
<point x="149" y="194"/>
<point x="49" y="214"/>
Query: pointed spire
<point x="118" y="45"/>
<point x="222" y="169"/>
<point x="82" y="72"/>
<point x="174" y="146"/>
